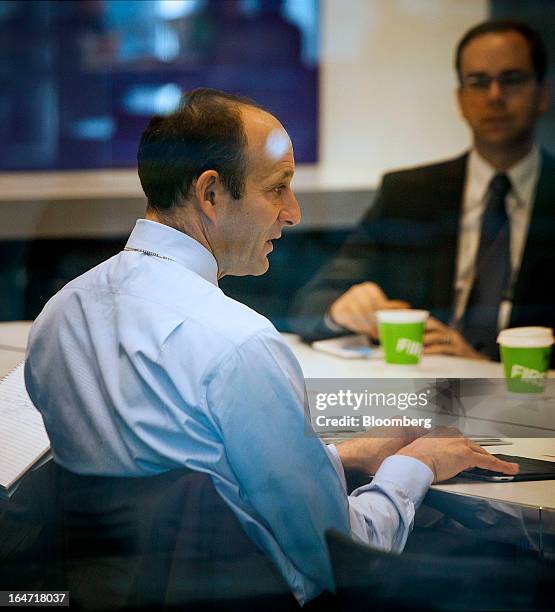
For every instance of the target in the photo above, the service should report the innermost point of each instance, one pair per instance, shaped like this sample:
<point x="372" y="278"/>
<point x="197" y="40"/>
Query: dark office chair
<point x="167" y="540"/>
<point x="370" y="579"/>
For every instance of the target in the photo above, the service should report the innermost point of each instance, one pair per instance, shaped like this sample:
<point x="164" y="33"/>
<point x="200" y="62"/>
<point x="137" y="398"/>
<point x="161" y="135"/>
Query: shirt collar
<point x="523" y="175"/>
<point x="166" y="241"/>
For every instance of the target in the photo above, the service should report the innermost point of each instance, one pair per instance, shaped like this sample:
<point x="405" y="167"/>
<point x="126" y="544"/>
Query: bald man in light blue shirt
<point x="143" y="365"/>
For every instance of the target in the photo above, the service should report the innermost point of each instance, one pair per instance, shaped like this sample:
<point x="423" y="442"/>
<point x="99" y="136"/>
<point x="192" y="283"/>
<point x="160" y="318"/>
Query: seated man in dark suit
<point x="469" y="239"/>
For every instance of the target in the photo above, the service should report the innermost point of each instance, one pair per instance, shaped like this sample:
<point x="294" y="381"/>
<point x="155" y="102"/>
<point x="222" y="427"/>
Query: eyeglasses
<point x="509" y="82"/>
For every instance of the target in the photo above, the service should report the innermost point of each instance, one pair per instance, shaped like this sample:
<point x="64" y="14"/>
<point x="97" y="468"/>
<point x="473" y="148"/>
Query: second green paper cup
<point x="401" y="333"/>
<point x="525" y="353"/>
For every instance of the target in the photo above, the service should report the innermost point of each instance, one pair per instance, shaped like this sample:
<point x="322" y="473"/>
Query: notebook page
<point x="23" y="438"/>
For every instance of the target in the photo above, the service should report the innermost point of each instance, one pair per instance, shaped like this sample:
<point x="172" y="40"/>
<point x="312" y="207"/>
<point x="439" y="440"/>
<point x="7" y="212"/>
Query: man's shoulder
<point x="205" y="315"/>
<point x="215" y="320"/>
<point x="223" y="331"/>
<point x="236" y="322"/>
<point x="422" y="175"/>
<point x="184" y="301"/>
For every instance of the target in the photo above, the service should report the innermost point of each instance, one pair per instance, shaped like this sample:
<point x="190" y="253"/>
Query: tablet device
<point x="530" y="469"/>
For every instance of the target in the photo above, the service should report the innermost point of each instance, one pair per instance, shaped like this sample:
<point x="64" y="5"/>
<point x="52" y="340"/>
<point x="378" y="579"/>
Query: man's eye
<point x="514" y="78"/>
<point x="511" y="80"/>
<point x="478" y="82"/>
<point x="279" y="189"/>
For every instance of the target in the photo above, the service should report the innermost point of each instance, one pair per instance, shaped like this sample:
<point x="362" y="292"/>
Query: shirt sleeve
<point x="257" y="398"/>
<point x="381" y="513"/>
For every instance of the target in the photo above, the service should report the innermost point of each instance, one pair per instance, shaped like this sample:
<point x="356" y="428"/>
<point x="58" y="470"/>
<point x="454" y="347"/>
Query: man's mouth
<point x="496" y="120"/>
<point x="270" y="242"/>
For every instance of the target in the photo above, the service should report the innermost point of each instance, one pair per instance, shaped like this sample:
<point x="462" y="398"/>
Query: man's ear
<point x="207" y="191"/>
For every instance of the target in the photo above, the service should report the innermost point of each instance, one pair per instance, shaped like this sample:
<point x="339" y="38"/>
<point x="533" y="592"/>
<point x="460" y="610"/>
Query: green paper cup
<point x="401" y="333"/>
<point x="525" y="353"/>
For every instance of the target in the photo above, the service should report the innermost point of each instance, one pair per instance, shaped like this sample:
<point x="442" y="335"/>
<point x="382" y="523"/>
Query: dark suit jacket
<point x="407" y="243"/>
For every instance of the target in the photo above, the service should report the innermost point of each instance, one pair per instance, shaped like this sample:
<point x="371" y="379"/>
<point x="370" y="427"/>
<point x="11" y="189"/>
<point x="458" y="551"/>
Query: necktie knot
<point x="495" y="214"/>
<point x="499" y="186"/>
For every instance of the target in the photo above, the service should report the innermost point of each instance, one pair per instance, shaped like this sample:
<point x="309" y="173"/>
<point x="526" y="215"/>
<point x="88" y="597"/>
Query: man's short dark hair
<point x="205" y="133"/>
<point x="538" y="52"/>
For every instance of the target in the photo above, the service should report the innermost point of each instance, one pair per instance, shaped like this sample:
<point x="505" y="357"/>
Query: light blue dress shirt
<point x="142" y="365"/>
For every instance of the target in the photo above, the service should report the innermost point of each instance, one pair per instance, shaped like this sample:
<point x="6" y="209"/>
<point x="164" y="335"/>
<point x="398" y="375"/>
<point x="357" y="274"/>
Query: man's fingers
<point x="352" y="314"/>
<point x="362" y="316"/>
<point x="363" y="303"/>
<point x="477" y="448"/>
<point x="433" y="324"/>
<point x="443" y="431"/>
<point x="436" y="337"/>
<point x="489" y="462"/>
<point x="498" y="464"/>
<point x="394" y="305"/>
<point x="355" y="309"/>
<point x="439" y="349"/>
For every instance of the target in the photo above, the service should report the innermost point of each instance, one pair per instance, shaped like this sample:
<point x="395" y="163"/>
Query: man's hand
<point x="355" y="309"/>
<point x="446" y="452"/>
<point x="440" y="339"/>
<point x="366" y="451"/>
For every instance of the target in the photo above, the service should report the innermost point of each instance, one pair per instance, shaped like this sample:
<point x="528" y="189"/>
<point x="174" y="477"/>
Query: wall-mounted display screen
<point x="80" y="79"/>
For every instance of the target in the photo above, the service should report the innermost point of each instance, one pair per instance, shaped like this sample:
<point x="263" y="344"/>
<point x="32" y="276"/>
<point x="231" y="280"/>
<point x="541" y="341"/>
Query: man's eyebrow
<point x="485" y="73"/>
<point x="285" y="174"/>
<point x="476" y="73"/>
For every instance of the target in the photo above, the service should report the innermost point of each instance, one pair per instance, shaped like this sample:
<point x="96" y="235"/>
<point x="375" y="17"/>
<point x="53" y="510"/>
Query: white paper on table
<point x="23" y="438"/>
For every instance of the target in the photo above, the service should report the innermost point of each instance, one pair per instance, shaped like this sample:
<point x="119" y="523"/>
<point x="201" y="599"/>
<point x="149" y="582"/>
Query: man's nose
<point x="291" y="212"/>
<point x="495" y="90"/>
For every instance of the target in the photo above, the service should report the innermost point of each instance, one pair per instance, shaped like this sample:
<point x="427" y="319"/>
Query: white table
<point x="316" y="364"/>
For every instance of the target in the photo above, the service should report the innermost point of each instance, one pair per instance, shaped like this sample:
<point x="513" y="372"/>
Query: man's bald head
<point x="207" y="132"/>
<point x="266" y="138"/>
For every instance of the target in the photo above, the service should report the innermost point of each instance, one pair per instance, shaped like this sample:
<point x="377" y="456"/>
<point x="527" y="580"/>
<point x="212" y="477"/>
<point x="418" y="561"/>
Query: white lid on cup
<point x="526" y="337"/>
<point x="404" y="315"/>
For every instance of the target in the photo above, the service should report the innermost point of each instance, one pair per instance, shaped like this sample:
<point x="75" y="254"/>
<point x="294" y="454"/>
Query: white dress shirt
<point x="519" y="203"/>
